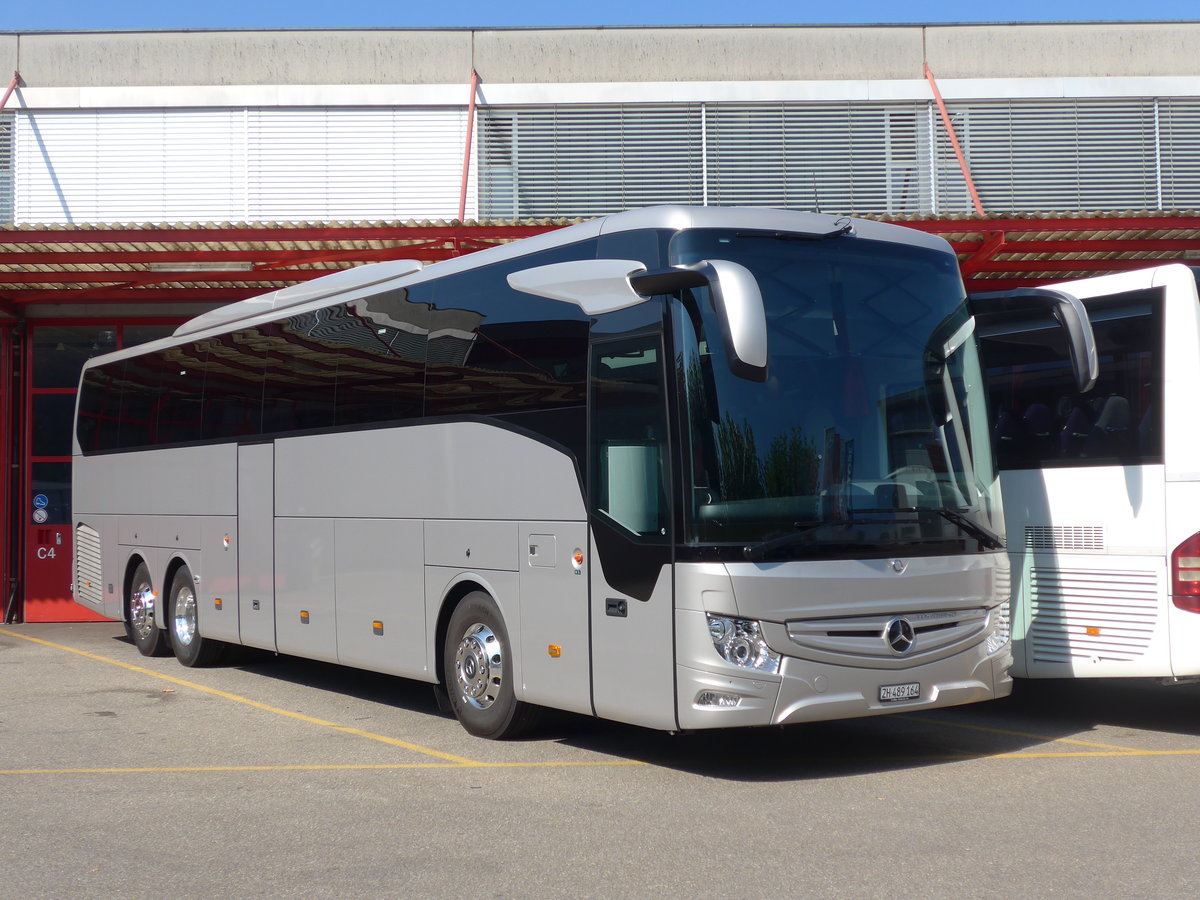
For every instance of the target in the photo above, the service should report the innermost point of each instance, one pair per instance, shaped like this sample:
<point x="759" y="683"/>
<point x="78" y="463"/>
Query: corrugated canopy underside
<point x="223" y="262"/>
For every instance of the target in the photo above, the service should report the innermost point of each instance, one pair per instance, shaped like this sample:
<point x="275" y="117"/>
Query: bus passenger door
<point x="632" y="600"/>
<point x="256" y="544"/>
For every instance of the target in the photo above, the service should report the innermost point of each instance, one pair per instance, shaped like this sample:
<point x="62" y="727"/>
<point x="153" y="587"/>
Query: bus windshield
<point x="869" y="436"/>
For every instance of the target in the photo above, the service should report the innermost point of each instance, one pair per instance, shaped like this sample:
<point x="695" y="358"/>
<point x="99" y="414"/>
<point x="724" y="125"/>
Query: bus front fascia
<point x="600" y="286"/>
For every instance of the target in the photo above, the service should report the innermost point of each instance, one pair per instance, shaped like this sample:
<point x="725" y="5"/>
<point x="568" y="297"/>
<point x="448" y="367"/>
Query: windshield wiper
<point x="761" y="549"/>
<point x="985" y="536"/>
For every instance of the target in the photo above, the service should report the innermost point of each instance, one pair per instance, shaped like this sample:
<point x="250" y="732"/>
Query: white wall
<point x="239" y="164"/>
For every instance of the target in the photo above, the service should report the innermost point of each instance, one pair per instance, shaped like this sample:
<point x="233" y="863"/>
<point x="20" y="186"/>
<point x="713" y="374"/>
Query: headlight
<point x="1001" y="628"/>
<point x="739" y="642"/>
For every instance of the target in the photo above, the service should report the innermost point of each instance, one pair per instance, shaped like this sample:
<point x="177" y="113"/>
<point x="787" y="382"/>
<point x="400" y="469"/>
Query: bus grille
<point x="1064" y="537"/>
<point x="861" y="637"/>
<point x="87" y="565"/>
<point x="1080" y="614"/>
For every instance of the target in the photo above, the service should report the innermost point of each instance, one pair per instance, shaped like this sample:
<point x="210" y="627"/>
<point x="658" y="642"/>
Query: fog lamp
<point x="717" y="698"/>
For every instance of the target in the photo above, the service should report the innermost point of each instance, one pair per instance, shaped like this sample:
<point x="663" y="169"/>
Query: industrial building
<point x="147" y="177"/>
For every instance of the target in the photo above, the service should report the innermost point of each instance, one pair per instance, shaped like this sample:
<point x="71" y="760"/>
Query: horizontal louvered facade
<point x="1060" y="155"/>
<point x="172" y="165"/>
<point x="1052" y="155"/>
<point x="6" y="167"/>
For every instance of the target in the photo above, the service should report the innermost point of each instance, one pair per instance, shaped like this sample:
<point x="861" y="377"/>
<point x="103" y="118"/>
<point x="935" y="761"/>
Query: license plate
<point x="892" y="692"/>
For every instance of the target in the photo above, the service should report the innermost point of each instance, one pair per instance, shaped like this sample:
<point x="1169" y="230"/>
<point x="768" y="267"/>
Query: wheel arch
<point x="450" y="599"/>
<point x="173" y="567"/>
<point x="131" y="566"/>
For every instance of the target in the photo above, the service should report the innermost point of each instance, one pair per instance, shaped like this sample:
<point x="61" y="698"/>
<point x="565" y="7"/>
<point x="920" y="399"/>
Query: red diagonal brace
<point x="462" y="197"/>
<point x="12" y="86"/>
<point x="993" y="243"/>
<point x="962" y="160"/>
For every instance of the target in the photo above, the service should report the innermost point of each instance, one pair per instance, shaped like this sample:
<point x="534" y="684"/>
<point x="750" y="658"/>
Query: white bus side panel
<point x="1088" y="571"/>
<point x="305" y="569"/>
<point x="217" y="592"/>
<point x="457" y="470"/>
<point x="152" y="502"/>
<point x="556" y="661"/>
<point x="183" y="481"/>
<point x="256" y="545"/>
<point x="380" y="594"/>
<point x="412" y="502"/>
<point x="1181" y="447"/>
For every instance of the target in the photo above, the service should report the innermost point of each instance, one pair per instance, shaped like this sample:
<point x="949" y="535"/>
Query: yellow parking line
<point x="1023" y="734"/>
<point x="416" y="748"/>
<point x="365" y="767"/>
<point x="1103" y="753"/>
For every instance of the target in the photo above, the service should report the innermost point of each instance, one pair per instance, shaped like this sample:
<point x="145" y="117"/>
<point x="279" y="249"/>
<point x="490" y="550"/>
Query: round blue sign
<point x="40" y="501"/>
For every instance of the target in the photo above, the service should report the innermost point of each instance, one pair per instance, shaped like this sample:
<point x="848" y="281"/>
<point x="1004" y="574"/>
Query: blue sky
<point x="65" y="15"/>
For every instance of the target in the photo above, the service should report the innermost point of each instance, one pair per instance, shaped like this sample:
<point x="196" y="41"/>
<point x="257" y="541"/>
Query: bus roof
<point x="401" y="273"/>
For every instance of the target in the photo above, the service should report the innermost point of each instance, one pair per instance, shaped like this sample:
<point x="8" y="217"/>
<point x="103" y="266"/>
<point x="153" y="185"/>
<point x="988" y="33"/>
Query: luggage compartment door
<point x="256" y="545"/>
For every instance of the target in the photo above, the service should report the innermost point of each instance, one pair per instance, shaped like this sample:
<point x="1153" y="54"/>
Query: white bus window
<point x="1040" y="420"/>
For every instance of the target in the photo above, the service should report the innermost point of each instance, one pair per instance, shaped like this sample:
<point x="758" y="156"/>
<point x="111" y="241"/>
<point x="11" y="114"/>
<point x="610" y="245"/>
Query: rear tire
<point x="140" y="622"/>
<point x="478" y="672"/>
<point x="182" y="620"/>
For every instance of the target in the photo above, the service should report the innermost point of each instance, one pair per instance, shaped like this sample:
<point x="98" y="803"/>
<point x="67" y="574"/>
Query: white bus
<point x="678" y="467"/>
<point x="1102" y="489"/>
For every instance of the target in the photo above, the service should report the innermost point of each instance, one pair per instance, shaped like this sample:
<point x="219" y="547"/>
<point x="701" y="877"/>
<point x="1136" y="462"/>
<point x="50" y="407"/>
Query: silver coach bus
<point x="679" y="467"/>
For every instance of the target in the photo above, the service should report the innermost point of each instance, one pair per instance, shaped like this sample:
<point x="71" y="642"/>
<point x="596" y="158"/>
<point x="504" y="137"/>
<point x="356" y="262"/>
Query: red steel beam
<point x="143" y="257"/>
<point x="133" y="279"/>
<point x="1067" y="224"/>
<point x="1084" y="245"/>
<point x="60" y="296"/>
<point x="1072" y="265"/>
<point x="982" y="254"/>
<point x="77" y="235"/>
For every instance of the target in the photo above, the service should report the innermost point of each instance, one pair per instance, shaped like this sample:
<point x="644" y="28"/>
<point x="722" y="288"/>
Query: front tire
<point x="478" y="672"/>
<point x="139" y="616"/>
<point x="182" y="624"/>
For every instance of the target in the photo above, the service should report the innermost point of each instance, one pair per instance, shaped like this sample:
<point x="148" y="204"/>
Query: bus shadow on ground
<point x="1037" y="716"/>
<point x="1124" y="704"/>
<point x="1126" y="713"/>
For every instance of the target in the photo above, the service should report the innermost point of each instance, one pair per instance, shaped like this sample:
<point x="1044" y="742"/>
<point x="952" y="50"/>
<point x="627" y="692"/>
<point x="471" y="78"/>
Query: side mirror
<point x="736" y="299"/>
<point x="594" y="285"/>
<point x="1006" y="309"/>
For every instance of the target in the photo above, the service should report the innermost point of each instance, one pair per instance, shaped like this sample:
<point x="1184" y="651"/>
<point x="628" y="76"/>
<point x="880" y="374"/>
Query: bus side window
<point x="628" y="433"/>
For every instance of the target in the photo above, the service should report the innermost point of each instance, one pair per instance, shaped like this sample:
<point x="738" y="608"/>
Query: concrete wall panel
<point x="8" y="58"/>
<point x="858" y="54"/>
<point x="249" y="57"/>
<point x="1090" y="50"/>
<point x="697" y="54"/>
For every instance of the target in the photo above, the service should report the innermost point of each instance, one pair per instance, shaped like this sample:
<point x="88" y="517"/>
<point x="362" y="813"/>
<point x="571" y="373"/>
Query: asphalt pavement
<point x="123" y="776"/>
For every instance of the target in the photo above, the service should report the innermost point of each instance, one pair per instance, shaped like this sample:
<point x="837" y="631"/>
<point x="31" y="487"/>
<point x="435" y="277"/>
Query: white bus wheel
<point x="182" y="623"/>
<point x="478" y="671"/>
<point x="139" y="616"/>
